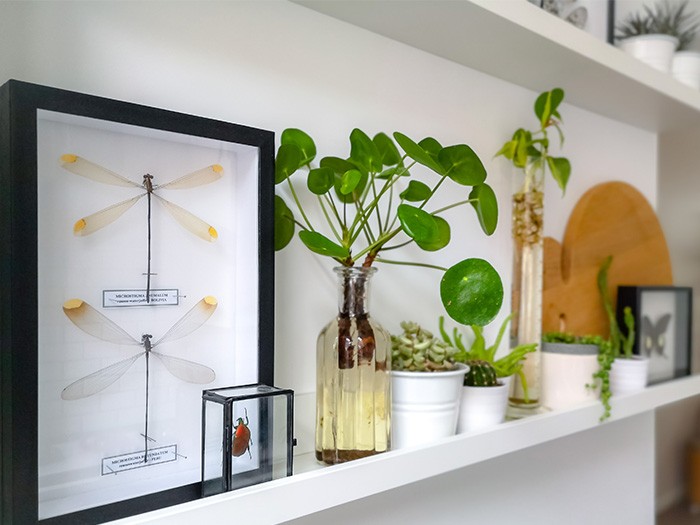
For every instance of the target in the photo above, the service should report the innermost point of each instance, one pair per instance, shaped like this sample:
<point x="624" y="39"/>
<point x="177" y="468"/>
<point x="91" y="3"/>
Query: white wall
<point x="274" y="65"/>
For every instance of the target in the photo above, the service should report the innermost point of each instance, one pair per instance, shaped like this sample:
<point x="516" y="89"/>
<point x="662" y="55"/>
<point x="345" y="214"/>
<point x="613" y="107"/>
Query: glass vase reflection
<point x="247" y="436"/>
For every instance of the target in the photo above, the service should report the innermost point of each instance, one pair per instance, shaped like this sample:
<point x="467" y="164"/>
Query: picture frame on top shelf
<point x="663" y="326"/>
<point x="596" y="17"/>
<point x="100" y="419"/>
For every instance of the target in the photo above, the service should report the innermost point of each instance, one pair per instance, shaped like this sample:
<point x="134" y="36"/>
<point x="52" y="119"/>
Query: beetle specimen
<point x="241" y="437"/>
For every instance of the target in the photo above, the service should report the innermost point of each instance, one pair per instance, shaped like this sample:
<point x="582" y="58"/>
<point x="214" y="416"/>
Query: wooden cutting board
<point x="612" y="218"/>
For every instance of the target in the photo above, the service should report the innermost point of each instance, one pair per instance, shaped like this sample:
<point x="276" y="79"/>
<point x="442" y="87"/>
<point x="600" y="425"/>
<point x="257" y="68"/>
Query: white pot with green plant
<point x="487" y="382"/>
<point x="620" y="371"/>
<point x="656" y="33"/>
<point x="568" y="363"/>
<point x="426" y="385"/>
<point x="370" y="202"/>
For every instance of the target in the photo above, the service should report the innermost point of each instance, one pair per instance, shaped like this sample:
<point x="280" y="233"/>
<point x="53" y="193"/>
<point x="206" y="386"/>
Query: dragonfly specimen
<point x="98" y="220"/>
<point x="94" y="323"/>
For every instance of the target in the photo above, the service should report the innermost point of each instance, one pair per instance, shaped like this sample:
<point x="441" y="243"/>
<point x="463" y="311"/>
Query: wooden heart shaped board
<point x="612" y="218"/>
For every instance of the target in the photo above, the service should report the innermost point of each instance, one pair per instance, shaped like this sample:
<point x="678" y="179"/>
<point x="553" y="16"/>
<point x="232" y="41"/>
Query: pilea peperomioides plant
<point x="372" y="202"/>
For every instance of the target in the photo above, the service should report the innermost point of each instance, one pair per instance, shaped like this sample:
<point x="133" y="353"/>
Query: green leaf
<point x="523" y="139"/>
<point x="364" y="152"/>
<point x="399" y="171"/>
<point x="508" y="149"/>
<point x="417" y="153"/>
<point x="349" y="181"/>
<point x="287" y="161"/>
<point x="419" y="225"/>
<point x="388" y="152"/>
<point x="486" y="205"/>
<point x="440" y="240"/>
<point x="472" y="292"/>
<point x="322" y="245"/>
<point x="546" y="105"/>
<point x="462" y="165"/>
<point x="303" y="141"/>
<point x="416" y="192"/>
<point x="320" y="180"/>
<point x="561" y="170"/>
<point x="284" y="223"/>
<point x="431" y="146"/>
<point x="338" y="165"/>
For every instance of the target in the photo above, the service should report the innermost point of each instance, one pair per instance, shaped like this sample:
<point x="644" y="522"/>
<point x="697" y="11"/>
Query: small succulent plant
<point x="417" y="350"/>
<point x="481" y="373"/>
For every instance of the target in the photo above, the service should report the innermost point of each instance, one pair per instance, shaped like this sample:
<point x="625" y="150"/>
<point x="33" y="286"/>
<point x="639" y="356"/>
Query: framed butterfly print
<point x="663" y="323"/>
<point x="138" y="266"/>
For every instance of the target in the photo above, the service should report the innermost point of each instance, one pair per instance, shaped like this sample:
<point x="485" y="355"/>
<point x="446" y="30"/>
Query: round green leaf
<point x="486" y="205"/>
<point x="303" y="141"/>
<point x="419" y="225"/>
<point x="442" y="238"/>
<point x="547" y="103"/>
<point x="287" y="161"/>
<point x="388" y="151"/>
<point x="364" y="152"/>
<point x="284" y="223"/>
<point x="417" y="153"/>
<point x="399" y="171"/>
<point x="472" y="292"/>
<point x="462" y="165"/>
<point x="349" y="181"/>
<point x="322" y="245"/>
<point x="338" y="165"/>
<point x="416" y="192"/>
<point x="320" y="180"/>
<point x="355" y="193"/>
<point x="431" y="146"/>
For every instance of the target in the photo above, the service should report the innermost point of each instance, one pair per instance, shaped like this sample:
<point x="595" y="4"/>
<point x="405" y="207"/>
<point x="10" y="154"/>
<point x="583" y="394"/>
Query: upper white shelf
<point x="290" y="498"/>
<point x="518" y="42"/>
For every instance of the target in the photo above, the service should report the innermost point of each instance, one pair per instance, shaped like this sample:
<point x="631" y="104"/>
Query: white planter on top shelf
<point x="567" y="370"/>
<point x="686" y="68"/>
<point x="654" y="50"/>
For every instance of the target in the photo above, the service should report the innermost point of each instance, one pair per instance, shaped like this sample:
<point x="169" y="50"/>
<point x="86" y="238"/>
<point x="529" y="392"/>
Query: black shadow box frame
<point x="42" y="351"/>
<point x="663" y="327"/>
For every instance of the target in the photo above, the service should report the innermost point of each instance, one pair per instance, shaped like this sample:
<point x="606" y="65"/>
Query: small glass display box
<point x="247" y="436"/>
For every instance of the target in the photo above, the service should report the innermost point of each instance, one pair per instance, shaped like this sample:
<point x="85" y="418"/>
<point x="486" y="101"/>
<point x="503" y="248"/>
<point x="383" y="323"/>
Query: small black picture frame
<point x="596" y="17"/>
<point x="663" y="327"/>
<point x="40" y="348"/>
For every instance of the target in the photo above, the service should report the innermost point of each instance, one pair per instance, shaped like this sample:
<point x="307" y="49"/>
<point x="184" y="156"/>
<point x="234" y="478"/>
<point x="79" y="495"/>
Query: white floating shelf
<point x="516" y="41"/>
<point x="294" y="497"/>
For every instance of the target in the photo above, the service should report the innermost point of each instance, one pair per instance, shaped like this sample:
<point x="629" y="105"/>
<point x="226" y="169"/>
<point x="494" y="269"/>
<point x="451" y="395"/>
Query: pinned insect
<point x="98" y="220"/>
<point x="241" y="437"/>
<point x="94" y="323"/>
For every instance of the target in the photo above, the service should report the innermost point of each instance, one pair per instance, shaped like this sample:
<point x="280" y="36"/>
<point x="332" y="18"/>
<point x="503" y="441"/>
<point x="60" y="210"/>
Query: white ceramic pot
<point x="655" y="50"/>
<point x="628" y="375"/>
<point x="424" y="405"/>
<point x="566" y="370"/>
<point x="482" y="407"/>
<point x="686" y="68"/>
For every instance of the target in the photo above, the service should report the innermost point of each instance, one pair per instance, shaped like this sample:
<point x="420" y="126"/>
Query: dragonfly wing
<point x="94" y="323"/>
<point x="98" y="381"/>
<point x="92" y="171"/>
<point x="102" y="218"/>
<point x="189" y="221"/>
<point x="192" y="320"/>
<point x="188" y="371"/>
<point x="196" y="178"/>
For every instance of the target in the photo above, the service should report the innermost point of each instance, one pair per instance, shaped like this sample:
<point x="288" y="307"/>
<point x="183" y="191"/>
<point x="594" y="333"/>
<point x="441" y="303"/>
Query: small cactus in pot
<point x="481" y="373"/>
<point x="417" y="350"/>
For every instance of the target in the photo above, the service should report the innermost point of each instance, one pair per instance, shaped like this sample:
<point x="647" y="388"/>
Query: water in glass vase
<point x="353" y="400"/>
<point x="526" y="299"/>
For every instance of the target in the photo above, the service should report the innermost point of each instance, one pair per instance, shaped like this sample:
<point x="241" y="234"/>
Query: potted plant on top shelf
<point x="373" y="201"/>
<point x="486" y="384"/>
<point x="654" y="34"/>
<point x="426" y="384"/>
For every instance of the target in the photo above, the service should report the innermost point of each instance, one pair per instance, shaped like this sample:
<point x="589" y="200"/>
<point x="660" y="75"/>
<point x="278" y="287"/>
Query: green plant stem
<point x="396" y="246"/>
<point x="432" y="192"/>
<point x="388" y="209"/>
<point x="296" y="200"/>
<point x="460" y="203"/>
<point x="334" y="209"/>
<point x="376" y="208"/>
<point x="406" y="263"/>
<point x="374" y="248"/>
<point x="370" y="207"/>
<point x="328" y="220"/>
